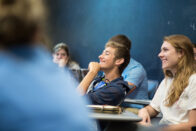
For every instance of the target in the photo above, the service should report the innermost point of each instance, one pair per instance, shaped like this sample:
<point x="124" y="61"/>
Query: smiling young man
<point x="110" y="89"/>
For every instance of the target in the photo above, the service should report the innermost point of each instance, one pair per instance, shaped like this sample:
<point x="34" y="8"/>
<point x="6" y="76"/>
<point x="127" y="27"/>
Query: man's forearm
<point x="85" y="83"/>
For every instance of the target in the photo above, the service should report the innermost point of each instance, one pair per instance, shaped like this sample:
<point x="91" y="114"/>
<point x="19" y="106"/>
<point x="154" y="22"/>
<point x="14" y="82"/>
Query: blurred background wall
<point x="86" y="25"/>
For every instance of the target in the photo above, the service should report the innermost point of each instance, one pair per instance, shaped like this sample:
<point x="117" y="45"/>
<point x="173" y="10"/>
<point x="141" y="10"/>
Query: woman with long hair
<point x="175" y="97"/>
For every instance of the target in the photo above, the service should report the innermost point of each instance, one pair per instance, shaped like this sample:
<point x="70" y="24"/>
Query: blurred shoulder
<point x="73" y="65"/>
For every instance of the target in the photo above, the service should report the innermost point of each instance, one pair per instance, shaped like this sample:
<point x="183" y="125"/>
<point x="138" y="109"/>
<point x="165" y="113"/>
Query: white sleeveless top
<point x="178" y="112"/>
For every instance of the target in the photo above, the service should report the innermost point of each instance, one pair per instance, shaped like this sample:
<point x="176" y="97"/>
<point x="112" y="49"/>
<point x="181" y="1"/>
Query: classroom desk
<point x="125" y="116"/>
<point x="137" y="101"/>
<point x="126" y="121"/>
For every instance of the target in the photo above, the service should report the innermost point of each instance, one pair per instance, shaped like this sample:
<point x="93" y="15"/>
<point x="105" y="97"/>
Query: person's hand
<point x="94" y="67"/>
<point x="62" y="62"/>
<point x="55" y="60"/>
<point x="143" y="113"/>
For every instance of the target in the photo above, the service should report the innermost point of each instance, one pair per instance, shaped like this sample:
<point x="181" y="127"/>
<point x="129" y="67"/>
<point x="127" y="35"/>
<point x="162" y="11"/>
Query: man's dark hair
<point x="120" y="52"/>
<point x="122" y="39"/>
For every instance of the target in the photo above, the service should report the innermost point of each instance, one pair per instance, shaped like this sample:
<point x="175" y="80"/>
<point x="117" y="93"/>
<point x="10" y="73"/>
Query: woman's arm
<point x="145" y="113"/>
<point x="186" y="126"/>
<point x="94" y="68"/>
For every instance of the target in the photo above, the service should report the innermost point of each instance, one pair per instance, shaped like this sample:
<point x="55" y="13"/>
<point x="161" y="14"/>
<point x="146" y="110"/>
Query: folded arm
<point x="94" y="68"/>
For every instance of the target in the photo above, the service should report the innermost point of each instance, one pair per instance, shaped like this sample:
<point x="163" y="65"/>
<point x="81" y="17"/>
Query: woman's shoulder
<point x="166" y="81"/>
<point x="73" y="65"/>
<point x="192" y="83"/>
<point x="192" y="77"/>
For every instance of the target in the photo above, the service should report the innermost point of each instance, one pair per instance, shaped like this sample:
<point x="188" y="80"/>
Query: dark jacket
<point x="112" y="93"/>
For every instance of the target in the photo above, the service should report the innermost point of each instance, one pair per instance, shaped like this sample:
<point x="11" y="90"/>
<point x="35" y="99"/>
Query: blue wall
<point x="86" y="25"/>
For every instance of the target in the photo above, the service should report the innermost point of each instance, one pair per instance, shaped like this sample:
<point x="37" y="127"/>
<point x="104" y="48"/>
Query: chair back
<point x="79" y="74"/>
<point x="152" y="87"/>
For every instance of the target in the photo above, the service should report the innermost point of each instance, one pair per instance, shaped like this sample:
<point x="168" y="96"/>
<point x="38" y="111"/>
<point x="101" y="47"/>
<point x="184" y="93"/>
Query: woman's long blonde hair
<point x="185" y="67"/>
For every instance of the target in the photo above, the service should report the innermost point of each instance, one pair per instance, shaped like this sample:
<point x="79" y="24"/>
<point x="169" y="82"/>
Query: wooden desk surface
<point x="125" y="116"/>
<point x="137" y="101"/>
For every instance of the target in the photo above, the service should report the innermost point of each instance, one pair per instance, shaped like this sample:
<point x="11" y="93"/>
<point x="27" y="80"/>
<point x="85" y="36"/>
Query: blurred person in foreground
<point x="175" y="97"/>
<point x="61" y="56"/>
<point x="33" y="93"/>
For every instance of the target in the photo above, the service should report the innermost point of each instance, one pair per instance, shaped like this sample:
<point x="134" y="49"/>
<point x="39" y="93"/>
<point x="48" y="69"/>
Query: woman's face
<point x="169" y="57"/>
<point x="60" y="55"/>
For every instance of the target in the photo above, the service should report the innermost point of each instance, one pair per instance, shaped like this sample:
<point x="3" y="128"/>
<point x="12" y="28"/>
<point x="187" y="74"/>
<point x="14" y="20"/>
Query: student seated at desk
<point x="134" y="74"/>
<point x="61" y="56"/>
<point x="110" y="89"/>
<point x="175" y="97"/>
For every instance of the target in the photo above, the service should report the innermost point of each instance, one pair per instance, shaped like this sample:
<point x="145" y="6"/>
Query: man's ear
<point x="119" y="61"/>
